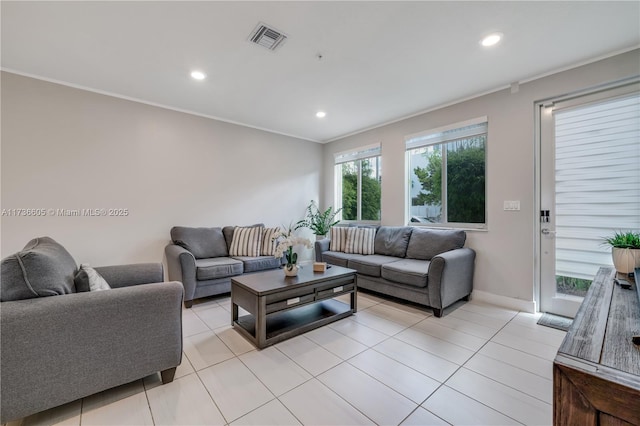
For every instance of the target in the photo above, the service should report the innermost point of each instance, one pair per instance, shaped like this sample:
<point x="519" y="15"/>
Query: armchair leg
<point x="167" y="375"/>
<point x="437" y="312"/>
<point x="188" y="303"/>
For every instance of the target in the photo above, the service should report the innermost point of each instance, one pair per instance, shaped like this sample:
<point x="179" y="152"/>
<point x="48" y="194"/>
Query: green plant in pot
<point x="318" y="221"/>
<point x="625" y="250"/>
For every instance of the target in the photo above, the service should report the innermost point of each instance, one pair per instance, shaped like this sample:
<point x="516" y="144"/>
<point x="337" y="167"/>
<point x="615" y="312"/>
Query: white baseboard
<point x="507" y="302"/>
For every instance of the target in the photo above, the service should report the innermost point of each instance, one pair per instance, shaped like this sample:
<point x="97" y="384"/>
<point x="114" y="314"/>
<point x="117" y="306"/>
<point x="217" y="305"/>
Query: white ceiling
<point x="381" y="60"/>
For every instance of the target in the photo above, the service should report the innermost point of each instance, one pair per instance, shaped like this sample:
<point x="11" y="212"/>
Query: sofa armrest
<point x="181" y="265"/>
<point x="132" y="274"/>
<point x="450" y="277"/>
<point x="320" y="247"/>
<point x="58" y="349"/>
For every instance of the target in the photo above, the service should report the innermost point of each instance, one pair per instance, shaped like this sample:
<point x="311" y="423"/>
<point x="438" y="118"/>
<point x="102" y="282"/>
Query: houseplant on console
<point x="285" y="241"/>
<point x="319" y="222"/>
<point x="625" y="250"/>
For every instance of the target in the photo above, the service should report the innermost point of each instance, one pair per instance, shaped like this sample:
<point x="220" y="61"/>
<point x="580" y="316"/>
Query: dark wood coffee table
<point x="283" y="307"/>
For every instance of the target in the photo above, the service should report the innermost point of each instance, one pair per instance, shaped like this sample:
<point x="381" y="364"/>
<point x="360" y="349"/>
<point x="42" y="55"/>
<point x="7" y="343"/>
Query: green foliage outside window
<point x="572" y="286"/>
<point x="370" y="191"/>
<point x="465" y="189"/>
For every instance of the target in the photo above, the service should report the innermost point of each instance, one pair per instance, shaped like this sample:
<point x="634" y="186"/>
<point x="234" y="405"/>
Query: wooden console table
<point x="596" y="373"/>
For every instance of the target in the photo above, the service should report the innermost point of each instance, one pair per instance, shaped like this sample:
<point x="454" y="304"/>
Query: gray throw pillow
<point x="88" y="279"/>
<point x="392" y="240"/>
<point x="428" y="243"/>
<point x="42" y="268"/>
<point x="203" y="243"/>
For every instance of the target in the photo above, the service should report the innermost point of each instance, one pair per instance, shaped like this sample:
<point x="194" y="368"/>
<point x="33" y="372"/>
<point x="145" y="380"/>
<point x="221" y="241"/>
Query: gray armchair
<point x="60" y="348"/>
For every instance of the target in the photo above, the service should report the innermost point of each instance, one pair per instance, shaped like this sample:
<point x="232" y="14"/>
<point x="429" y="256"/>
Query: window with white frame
<point x="446" y="182"/>
<point x="358" y="177"/>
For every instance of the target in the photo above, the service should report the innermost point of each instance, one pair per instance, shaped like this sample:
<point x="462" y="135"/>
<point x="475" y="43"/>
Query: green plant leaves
<point x="628" y="239"/>
<point x="319" y="222"/>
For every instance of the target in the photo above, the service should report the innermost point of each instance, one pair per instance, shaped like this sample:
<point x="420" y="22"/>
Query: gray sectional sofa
<point x="199" y="257"/>
<point x="427" y="266"/>
<point x="60" y="344"/>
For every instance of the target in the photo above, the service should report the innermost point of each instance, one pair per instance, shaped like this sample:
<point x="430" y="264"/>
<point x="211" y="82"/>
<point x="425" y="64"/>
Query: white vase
<point x="293" y="272"/>
<point x="320" y="237"/>
<point x="625" y="260"/>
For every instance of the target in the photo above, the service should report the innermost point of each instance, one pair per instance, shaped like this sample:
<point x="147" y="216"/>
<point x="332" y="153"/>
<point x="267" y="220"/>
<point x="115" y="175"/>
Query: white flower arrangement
<point x="285" y="241"/>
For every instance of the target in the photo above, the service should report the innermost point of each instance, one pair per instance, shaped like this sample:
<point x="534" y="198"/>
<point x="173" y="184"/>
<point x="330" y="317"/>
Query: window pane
<point x="425" y="165"/>
<point x="371" y="181"/>
<point x="466" y="180"/>
<point x="350" y="190"/>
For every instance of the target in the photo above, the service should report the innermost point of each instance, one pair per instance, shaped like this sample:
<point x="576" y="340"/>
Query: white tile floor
<point x="389" y="364"/>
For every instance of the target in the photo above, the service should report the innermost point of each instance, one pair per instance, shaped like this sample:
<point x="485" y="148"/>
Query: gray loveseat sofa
<point x="427" y="266"/>
<point x="199" y="257"/>
<point x="59" y="345"/>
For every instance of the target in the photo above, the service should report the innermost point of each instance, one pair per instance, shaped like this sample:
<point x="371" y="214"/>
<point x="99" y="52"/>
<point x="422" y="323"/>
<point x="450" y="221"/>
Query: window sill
<point x="484" y="228"/>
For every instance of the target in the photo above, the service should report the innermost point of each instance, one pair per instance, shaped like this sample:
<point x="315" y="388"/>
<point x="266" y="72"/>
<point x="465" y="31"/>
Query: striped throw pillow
<point x="338" y="235"/>
<point x="268" y="245"/>
<point x="246" y="242"/>
<point x="360" y="240"/>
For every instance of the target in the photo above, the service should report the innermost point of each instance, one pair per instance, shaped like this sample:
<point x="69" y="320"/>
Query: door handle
<point x="546" y="231"/>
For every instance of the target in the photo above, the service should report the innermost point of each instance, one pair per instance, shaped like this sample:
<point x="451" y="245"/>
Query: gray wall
<point x="64" y="148"/>
<point x="505" y="261"/>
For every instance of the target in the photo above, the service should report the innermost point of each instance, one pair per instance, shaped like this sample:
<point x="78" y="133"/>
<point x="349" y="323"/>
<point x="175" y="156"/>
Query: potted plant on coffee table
<point x="625" y="250"/>
<point x="318" y="221"/>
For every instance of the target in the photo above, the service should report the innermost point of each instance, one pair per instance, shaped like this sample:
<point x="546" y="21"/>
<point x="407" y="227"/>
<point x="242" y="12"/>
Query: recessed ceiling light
<point x="491" y="39"/>
<point x="198" y="75"/>
<point x="321" y="114"/>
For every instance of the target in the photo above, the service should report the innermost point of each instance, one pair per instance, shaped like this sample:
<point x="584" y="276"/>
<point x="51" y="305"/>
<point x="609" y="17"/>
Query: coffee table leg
<point x="261" y="323"/>
<point x="354" y="295"/>
<point x="234" y="313"/>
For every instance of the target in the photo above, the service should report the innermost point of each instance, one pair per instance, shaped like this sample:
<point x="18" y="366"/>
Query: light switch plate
<point x="512" y="205"/>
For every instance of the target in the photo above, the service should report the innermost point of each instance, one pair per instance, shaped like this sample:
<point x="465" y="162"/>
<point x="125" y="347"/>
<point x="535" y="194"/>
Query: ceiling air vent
<point x="267" y="37"/>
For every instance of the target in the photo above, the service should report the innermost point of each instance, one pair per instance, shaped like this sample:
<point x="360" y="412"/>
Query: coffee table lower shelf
<point x="293" y="322"/>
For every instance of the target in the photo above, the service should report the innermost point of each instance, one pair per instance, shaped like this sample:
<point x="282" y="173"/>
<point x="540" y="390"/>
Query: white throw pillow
<point x="246" y="241"/>
<point x="268" y="244"/>
<point x="96" y="282"/>
<point x="360" y="240"/>
<point x="338" y="235"/>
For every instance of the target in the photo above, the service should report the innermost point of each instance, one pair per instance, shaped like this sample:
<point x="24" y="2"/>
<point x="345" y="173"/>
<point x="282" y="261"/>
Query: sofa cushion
<point x="370" y="265"/>
<point x="268" y="243"/>
<point x="219" y="267"/>
<point x="247" y="241"/>
<point x="407" y="271"/>
<point x="338" y="258"/>
<point x="203" y="243"/>
<point x="338" y="236"/>
<point x="360" y="240"/>
<point x="88" y="279"/>
<point x="392" y="240"/>
<point x="258" y="263"/>
<point x="42" y="268"/>
<point x="427" y="243"/>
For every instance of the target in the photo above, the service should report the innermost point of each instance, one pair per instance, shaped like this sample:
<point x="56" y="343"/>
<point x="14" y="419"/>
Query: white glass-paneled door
<point x="589" y="187"/>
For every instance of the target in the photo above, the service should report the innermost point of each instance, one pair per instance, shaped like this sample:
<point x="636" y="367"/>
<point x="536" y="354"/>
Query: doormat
<point x="555" y="321"/>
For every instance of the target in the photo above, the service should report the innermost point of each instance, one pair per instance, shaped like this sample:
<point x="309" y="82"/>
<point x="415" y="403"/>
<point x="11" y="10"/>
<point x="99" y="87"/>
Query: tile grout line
<point x="234" y="356"/>
<point x="146" y="395"/>
<point x="260" y="381"/>
<point x="504" y="384"/>
<point x="342" y="361"/>
<point x="462" y="366"/>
